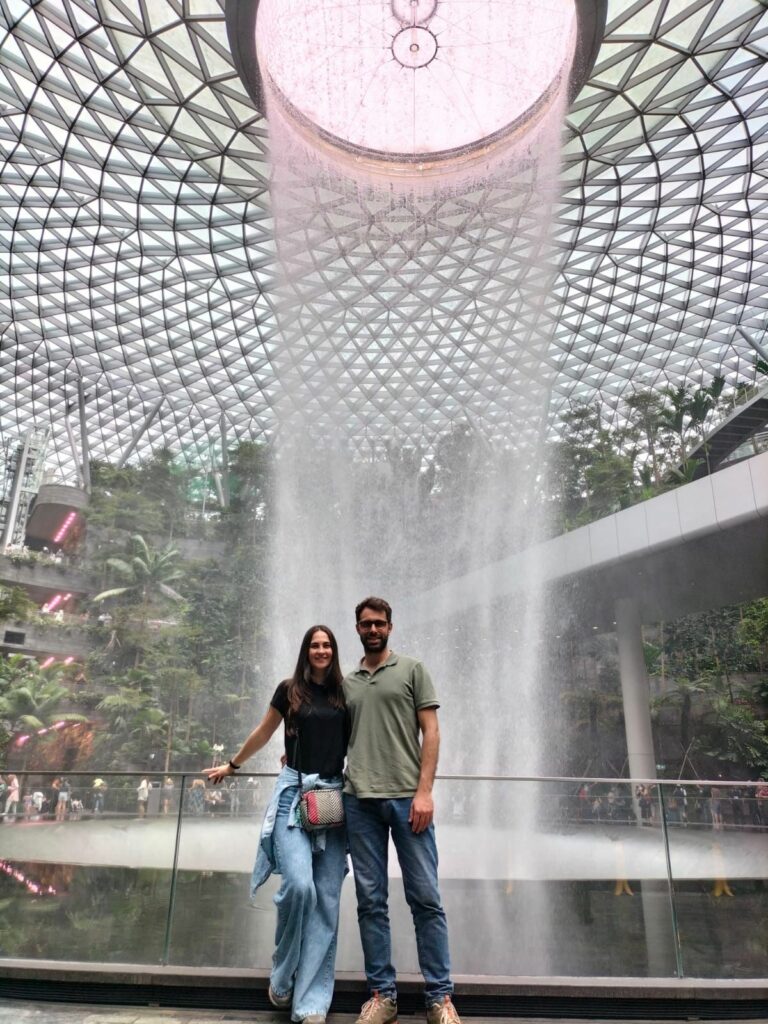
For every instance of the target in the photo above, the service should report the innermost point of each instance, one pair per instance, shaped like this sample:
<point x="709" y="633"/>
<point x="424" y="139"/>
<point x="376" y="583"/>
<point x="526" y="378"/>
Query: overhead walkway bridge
<point x="703" y="545"/>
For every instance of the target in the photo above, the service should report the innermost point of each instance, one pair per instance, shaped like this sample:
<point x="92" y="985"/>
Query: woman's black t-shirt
<point x="322" y="729"/>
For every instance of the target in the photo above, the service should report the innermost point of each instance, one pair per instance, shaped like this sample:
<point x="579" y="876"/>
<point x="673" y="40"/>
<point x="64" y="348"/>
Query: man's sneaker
<point x="443" y="1012"/>
<point x="378" y="1011"/>
<point x="281" y="1002"/>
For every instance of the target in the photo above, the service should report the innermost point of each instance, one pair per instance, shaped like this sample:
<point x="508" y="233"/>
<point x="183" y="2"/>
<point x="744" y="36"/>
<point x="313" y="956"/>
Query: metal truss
<point x="138" y="259"/>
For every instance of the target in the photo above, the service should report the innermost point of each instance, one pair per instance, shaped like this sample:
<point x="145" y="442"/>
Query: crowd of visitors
<point x="722" y="806"/>
<point x="62" y="799"/>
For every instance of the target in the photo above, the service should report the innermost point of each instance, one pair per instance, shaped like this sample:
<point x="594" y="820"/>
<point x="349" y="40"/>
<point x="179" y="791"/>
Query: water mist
<point x="413" y="314"/>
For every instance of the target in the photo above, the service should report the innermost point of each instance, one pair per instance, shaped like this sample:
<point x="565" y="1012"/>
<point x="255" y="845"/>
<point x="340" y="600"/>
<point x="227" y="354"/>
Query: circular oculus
<point x="414" y="79"/>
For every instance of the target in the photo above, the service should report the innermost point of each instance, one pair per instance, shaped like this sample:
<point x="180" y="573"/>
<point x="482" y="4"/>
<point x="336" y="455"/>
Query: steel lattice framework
<point x="137" y="243"/>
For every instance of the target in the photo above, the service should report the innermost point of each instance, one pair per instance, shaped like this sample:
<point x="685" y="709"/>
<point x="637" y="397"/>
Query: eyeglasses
<point x="368" y="624"/>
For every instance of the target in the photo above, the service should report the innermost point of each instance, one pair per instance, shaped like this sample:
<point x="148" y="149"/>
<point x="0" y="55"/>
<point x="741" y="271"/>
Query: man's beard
<point x="374" y="644"/>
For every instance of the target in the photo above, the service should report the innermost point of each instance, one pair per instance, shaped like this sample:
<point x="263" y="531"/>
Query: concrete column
<point x="656" y="897"/>
<point x="86" y="463"/>
<point x="634" y="690"/>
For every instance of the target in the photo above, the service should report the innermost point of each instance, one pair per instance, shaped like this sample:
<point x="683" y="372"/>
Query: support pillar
<point x="138" y="433"/>
<point x="224" y="463"/>
<point x="656" y="897"/>
<point x="18" y="483"/>
<point x="86" y="454"/>
<point x="634" y="690"/>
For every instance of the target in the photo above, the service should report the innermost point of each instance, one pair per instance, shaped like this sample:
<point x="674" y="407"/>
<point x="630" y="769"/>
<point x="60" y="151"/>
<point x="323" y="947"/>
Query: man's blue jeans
<point x="307" y="913"/>
<point x="369" y="824"/>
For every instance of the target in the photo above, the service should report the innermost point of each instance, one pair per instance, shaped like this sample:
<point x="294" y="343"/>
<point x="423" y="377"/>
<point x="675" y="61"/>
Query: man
<point x="388" y="790"/>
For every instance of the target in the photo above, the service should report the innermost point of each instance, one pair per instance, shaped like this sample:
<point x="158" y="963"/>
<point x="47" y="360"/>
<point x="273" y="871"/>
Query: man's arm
<point x="422" y="806"/>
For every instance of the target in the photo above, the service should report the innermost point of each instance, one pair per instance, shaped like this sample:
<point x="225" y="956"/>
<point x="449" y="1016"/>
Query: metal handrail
<point x="447" y="777"/>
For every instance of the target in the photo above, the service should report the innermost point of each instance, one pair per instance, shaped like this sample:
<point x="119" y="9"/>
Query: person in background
<point x="310" y="705"/>
<point x="168" y="788"/>
<point x="62" y="802"/>
<point x="12" y="797"/>
<point x="196" y="798"/>
<point x="99" y="792"/>
<point x="142" y="797"/>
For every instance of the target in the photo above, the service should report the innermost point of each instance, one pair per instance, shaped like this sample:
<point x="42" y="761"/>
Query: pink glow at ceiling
<point x="414" y="78"/>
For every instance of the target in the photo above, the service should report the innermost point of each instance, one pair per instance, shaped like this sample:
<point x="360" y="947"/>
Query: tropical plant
<point x="14" y="604"/>
<point x="32" y="698"/>
<point x="147" y="575"/>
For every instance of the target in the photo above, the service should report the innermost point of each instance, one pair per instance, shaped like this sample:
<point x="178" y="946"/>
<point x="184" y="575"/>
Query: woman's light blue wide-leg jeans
<point x="307" y="912"/>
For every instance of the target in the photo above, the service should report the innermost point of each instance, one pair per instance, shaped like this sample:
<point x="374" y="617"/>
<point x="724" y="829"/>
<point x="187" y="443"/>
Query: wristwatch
<point x="233" y="766"/>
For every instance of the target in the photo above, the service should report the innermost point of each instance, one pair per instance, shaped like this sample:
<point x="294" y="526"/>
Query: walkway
<point x="17" y="1012"/>
<point x="467" y="851"/>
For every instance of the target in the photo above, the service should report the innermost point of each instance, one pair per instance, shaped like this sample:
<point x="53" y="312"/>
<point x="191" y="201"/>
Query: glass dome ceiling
<point x="138" y="257"/>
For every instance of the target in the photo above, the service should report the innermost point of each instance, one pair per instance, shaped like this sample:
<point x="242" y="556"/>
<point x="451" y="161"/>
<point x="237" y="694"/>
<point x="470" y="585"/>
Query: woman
<point x="142" y="797"/>
<point x="196" y="798"/>
<point x="12" y="799"/>
<point x="168" y="787"/>
<point x="62" y="804"/>
<point x="311" y="705"/>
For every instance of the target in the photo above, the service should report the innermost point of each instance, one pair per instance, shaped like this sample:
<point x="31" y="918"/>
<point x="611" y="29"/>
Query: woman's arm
<point x="258" y="739"/>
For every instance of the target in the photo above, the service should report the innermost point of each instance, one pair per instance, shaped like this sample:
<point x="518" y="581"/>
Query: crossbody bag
<point x="318" y="808"/>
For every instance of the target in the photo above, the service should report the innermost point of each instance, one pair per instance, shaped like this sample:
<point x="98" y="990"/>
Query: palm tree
<point x="147" y="575"/>
<point x="673" y="416"/>
<point x="645" y="412"/>
<point x="688" y="411"/>
<point x="31" y="697"/>
<point x="682" y="696"/>
<point x="125" y="709"/>
<point x="136" y="723"/>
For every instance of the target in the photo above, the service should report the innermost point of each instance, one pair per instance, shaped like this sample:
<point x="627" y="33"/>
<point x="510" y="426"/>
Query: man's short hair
<point x="378" y="604"/>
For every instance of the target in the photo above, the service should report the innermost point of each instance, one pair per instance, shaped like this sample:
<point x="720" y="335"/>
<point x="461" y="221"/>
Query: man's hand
<point x="422" y="811"/>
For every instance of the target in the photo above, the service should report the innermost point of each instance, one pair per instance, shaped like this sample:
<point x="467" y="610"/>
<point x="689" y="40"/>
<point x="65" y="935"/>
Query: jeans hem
<point x="437" y="997"/>
<point x="384" y="993"/>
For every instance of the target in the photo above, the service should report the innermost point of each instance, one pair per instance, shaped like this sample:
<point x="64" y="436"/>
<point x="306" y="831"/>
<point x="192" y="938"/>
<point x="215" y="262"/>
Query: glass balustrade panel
<point x="85" y="867"/>
<point x="718" y="845"/>
<point x="537" y="878"/>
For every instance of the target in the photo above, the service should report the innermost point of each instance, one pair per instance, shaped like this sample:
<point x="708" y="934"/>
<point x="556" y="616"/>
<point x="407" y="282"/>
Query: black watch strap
<point x="233" y="766"/>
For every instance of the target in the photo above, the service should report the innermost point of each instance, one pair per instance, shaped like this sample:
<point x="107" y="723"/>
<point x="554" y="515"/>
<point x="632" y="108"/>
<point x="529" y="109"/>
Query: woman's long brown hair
<point x="298" y="684"/>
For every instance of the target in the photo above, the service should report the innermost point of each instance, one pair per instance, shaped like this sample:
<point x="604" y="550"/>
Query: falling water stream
<point x="411" y="306"/>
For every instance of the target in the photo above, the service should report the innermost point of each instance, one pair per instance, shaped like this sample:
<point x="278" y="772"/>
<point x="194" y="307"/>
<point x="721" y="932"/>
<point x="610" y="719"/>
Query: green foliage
<point x="14" y="604"/>
<point x="32" y="698"/>
<point x="172" y="675"/>
<point x="592" y="467"/>
<point x="599" y="464"/>
<point x="154" y="498"/>
<point x="147" y="574"/>
<point x="710" y="666"/>
<point x="753" y="631"/>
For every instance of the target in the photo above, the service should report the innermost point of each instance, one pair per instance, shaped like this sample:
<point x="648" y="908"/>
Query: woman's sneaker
<point x="443" y="1012"/>
<point x="378" y="1011"/>
<point x="281" y="1002"/>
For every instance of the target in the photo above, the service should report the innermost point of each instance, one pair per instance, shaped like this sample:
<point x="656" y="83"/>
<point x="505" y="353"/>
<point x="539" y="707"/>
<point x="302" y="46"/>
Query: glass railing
<point x="540" y="877"/>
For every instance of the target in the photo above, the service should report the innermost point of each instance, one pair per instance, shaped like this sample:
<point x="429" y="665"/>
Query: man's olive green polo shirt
<point x="384" y="753"/>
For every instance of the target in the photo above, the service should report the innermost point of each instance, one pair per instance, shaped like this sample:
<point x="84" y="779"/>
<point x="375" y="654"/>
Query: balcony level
<point x="41" y="639"/>
<point x="42" y="576"/>
<point x="56" y="514"/>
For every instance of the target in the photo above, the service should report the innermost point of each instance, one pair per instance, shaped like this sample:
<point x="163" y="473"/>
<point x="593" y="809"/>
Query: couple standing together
<point x="374" y="717"/>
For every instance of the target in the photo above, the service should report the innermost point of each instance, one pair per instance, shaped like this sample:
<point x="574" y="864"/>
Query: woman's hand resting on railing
<point x="216" y="775"/>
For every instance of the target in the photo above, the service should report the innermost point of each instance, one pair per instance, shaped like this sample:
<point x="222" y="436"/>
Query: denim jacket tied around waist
<point x="265" y="855"/>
